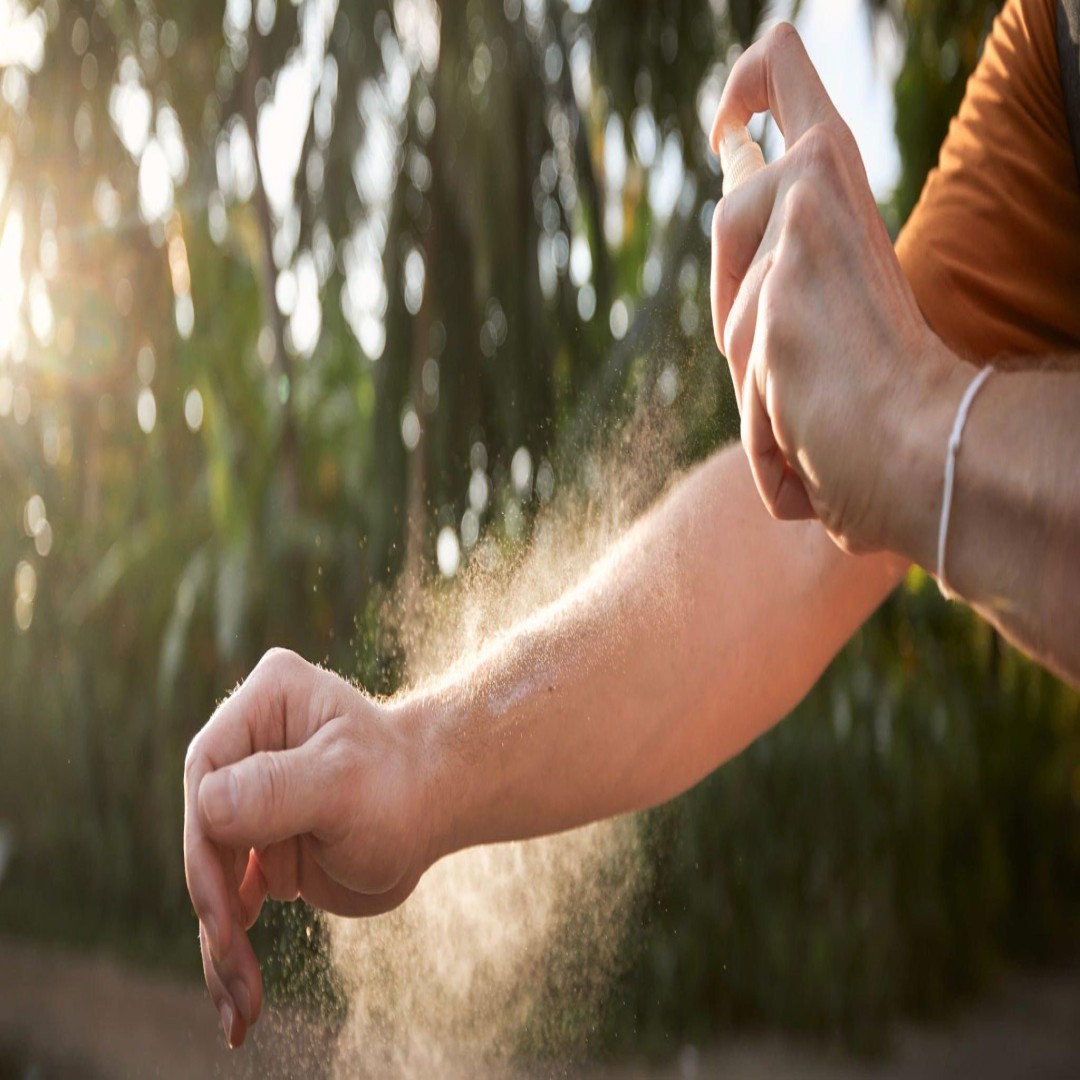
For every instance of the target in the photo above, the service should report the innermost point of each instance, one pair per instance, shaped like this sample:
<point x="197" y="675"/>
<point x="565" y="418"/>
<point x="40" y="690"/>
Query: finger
<point x="294" y="870"/>
<point x="741" y="325"/>
<point x="255" y="716"/>
<point x="238" y="973"/>
<point x="207" y="869"/>
<point x="281" y="870"/>
<point x="774" y="74"/>
<point x="290" y="870"/>
<point x="308" y="870"/>
<point x="779" y="486"/>
<point x="757" y="439"/>
<point x="253" y="890"/>
<point x="321" y="890"/>
<point x="740" y="222"/>
<point x="266" y="798"/>
<point x="241" y="858"/>
<point x="791" y="501"/>
<point x="232" y="1023"/>
<point x="207" y="884"/>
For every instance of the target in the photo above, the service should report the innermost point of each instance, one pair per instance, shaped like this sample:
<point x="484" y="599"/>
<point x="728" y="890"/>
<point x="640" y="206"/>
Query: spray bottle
<point x="740" y="156"/>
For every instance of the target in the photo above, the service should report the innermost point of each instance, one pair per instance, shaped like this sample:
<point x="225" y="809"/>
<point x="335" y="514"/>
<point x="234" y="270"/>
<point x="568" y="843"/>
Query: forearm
<point x="706" y="624"/>
<point x="1014" y="537"/>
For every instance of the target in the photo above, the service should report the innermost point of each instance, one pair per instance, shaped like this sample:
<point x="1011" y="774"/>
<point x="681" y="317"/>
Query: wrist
<point x="424" y="720"/>
<point x="914" y="470"/>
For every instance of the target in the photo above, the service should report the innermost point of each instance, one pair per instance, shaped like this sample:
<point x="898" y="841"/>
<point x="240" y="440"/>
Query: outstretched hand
<point x="829" y="354"/>
<point x="299" y="786"/>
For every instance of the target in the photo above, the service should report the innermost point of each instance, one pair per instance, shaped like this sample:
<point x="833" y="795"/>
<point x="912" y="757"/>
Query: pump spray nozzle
<point x="740" y="156"/>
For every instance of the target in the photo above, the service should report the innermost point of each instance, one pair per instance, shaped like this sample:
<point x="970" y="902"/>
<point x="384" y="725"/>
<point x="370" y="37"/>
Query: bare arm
<point x="704" y="625"/>
<point x="1014" y="536"/>
<point x="848" y="398"/>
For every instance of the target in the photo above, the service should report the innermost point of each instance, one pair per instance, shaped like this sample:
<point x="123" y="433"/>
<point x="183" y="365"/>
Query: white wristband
<point x="950" y="474"/>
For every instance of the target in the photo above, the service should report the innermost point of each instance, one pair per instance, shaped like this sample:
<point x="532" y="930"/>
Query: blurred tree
<point x="302" y="279"/>
<point x="942" y="46"/>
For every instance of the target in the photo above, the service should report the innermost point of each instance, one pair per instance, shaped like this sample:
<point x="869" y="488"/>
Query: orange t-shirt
<point x="992" y="249"/>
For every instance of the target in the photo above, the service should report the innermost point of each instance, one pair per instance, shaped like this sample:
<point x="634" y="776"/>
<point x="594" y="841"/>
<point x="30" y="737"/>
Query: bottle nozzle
<point x="740" y="156"/>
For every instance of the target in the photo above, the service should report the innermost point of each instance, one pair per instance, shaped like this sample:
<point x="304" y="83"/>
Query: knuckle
<point x="828" y="147"/>
<point x="338" y="755"/>
<point x="275" y="785"/>
<point x="279" y="672"/>
<point x="845" y="141"/>
<point x="819" y="143"/>
<point x="801" y="210"/>
<point x="784" y="36"/>
<point x="278" y="661"/>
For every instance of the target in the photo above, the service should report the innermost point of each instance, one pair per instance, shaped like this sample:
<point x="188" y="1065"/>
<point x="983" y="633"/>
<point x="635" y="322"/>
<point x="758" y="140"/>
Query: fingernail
<point x="219" y="797"/>
<point x="240" y="995"/>
<point x="227" y="1022"/>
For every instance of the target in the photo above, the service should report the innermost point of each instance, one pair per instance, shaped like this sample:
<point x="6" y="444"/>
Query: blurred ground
<point x="83" y="1017"/>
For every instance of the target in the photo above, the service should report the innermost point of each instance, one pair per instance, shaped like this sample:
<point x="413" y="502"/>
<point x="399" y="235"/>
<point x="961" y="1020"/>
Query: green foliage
<point x="942" y="45"/>
<point x="912" y="825"/>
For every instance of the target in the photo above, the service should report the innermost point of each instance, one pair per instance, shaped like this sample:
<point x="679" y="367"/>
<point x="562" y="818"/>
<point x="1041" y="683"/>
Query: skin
<point x="628" y="690"/>
<point x="710" y="619"/>
<point x="848" y="397"/>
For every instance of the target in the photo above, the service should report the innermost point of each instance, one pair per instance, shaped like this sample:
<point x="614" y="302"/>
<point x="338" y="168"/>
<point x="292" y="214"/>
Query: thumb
<point x="265" y="798"/>
<point x="774" y="74"/>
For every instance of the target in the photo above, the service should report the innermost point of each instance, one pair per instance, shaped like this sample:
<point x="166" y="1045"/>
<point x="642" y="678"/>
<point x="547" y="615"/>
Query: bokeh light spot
<point x="193" y="409"/>
<point x="448" y="552"/>
<point x="146" y="410"/>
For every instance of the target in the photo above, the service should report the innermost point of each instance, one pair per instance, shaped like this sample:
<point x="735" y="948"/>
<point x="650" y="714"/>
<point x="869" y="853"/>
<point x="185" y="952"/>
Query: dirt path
<point x="64" y="1015"/>
<point x="83" y="1016"/>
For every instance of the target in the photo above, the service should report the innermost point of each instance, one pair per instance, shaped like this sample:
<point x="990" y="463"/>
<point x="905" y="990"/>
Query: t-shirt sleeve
<point x="992" y="249"/>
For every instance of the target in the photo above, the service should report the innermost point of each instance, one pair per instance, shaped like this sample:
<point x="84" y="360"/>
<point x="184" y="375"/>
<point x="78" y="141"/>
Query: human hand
<point x="830" y="356"/>
<point x="299" y="786"/>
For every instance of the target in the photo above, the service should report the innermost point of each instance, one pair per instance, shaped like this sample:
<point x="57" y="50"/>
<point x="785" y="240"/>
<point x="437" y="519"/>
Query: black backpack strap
<point x="1068" y="43"/>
